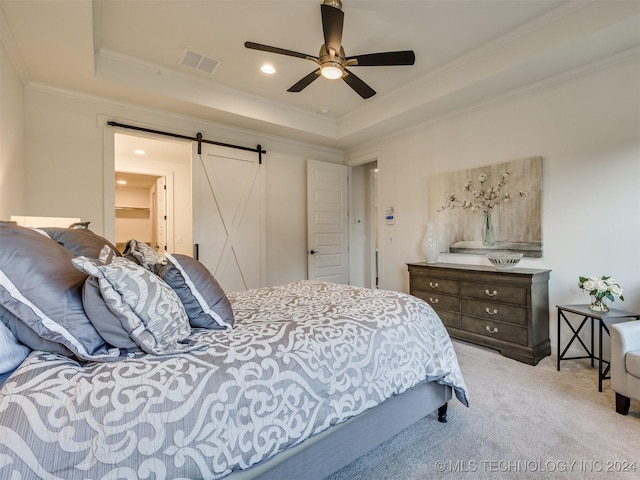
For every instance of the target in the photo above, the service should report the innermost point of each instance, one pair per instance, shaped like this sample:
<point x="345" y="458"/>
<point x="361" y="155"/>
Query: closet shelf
<point x="126" y="207"/>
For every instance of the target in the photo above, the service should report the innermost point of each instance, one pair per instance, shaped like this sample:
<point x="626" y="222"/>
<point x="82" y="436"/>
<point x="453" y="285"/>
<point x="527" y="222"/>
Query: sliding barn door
<point x="229" y="216"/>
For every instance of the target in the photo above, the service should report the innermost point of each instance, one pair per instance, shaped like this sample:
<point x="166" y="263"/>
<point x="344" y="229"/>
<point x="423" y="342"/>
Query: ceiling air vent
<point x="198" y="61"/>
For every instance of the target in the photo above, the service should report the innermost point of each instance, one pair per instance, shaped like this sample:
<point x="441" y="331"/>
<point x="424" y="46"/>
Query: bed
<point x="292" y="381"/>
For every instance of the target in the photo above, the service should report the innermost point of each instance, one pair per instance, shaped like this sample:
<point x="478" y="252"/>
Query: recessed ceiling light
<point x="139" y="151"/>
<point x="121" y="182"/>
<point x="268" y="69"/>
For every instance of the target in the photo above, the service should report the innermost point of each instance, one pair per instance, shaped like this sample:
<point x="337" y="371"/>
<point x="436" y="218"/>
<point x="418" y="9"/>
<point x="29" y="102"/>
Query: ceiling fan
<point x="332" y="60"/>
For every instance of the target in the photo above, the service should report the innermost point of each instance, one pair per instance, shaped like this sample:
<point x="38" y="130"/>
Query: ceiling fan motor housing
<point x="333" y="3"/>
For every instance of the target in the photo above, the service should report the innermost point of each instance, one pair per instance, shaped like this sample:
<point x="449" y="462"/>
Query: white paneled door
<point x="229" y="216"/>
<point x="327" y="222"/>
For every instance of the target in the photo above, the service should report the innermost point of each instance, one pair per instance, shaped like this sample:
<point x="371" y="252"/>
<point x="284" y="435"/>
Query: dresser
<point x="508" y="311"/>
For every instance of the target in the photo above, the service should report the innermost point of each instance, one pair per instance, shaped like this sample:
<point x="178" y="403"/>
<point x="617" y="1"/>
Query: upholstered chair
<point x="625" y="363"/>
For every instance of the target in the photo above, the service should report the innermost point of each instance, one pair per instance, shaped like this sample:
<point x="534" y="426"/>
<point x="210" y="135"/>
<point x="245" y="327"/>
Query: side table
<point x="604" y="319"/>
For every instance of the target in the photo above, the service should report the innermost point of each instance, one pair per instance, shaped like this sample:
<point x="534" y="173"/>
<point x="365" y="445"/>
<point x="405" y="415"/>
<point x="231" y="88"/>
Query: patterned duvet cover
<point x="301" y="358"/>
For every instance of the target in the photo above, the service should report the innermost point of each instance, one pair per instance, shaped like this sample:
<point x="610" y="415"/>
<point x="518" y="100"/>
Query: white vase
<point x="430" y="247"/>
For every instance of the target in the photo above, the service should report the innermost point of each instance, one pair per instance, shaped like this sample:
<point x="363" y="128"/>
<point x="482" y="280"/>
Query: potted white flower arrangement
<point x="601" y="289"/>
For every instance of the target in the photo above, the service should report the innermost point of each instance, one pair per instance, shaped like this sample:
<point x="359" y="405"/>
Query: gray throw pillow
<point x="39" y="285"/>
<point x="79" y="241"/>
<point x="29" y="337"/>
<point x="106" y="322"/>
<point x="148" y="309"/>
<point x="202" y="296"/>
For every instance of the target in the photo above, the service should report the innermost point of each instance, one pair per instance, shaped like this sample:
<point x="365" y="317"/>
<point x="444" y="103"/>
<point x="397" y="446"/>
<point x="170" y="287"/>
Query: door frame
<point x="374" y="228"/>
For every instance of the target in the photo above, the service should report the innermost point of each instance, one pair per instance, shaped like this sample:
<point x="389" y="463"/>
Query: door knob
<point x="313" y="252"/>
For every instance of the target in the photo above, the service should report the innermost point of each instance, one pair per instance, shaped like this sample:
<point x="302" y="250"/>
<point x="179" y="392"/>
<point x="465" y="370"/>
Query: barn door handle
<point x="196" y="251"/>
<point x="313" y="252"/>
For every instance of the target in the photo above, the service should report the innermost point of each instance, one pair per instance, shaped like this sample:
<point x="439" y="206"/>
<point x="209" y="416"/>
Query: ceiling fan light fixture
<point x="332" y="71"/>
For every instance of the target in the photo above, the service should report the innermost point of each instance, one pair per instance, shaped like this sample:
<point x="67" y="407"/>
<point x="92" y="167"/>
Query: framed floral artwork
<point x="496" y="207"/>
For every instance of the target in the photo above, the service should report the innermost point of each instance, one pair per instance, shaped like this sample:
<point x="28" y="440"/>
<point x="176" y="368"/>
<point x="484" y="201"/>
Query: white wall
<point x="587" y="129"/>
<point x="66" y="165"/>
<point x="12" y="170"/>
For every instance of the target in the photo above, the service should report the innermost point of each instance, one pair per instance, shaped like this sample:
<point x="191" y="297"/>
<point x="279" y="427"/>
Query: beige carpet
<point x="524" y="422"/>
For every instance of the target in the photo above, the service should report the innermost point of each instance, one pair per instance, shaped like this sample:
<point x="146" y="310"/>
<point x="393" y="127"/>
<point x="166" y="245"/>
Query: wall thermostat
<point x="390" y="217"/>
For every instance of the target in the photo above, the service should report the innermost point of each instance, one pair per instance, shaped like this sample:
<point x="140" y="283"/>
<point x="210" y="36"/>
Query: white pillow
<point x="12" y="352"/>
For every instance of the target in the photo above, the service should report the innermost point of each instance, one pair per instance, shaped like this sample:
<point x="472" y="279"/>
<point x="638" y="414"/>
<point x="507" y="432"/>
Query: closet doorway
<point x="141" y="210"/>
<point x="154" y="206"/>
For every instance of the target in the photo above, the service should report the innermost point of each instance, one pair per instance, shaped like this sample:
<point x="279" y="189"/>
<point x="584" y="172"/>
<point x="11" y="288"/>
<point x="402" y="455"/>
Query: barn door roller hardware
<point x="198" y="138"/>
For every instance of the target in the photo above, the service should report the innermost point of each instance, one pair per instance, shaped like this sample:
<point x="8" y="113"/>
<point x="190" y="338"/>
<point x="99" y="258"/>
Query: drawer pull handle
<point x="491" y="330"/>
<point x="433" y="301"/>
<point x="491" y="294"/>
<point x="494" y="312"/>
<point x="433" y="285"/>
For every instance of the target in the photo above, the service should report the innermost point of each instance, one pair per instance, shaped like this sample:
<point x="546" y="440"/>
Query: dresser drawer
<point x="499" y="331"/>
<point x="496" y="292"/>
<point x="434" y="284"/>
<point x="495" y="311"/>
<point x="449" y="319"/>
<point x="438" y="301"/>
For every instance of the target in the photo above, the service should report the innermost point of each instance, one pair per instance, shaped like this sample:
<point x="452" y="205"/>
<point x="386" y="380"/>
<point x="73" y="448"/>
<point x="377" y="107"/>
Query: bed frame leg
<point x="442" y="413"/>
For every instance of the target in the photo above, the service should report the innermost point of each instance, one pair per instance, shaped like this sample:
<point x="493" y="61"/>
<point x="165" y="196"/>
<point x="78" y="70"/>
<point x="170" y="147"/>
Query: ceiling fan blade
<point x="332" y="22"/>
<point x="404" y="57"/>
<point x="279" y="51"/>
<point x="304" y="82"/>
<point x="361" y="88"/>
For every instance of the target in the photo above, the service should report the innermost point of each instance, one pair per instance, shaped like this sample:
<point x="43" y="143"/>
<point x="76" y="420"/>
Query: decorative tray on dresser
<point x="505" y="310"/>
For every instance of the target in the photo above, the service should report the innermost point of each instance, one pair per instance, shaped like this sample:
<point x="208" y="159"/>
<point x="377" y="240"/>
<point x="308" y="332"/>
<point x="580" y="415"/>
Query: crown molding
<point x="13" y="52"/>
<point x="231" y="132"/>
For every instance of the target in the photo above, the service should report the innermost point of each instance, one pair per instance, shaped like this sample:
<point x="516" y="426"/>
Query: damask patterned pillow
<point x="143" y="255"/>
<point x="202" y="296"/>
<point x="148" y="309"/>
